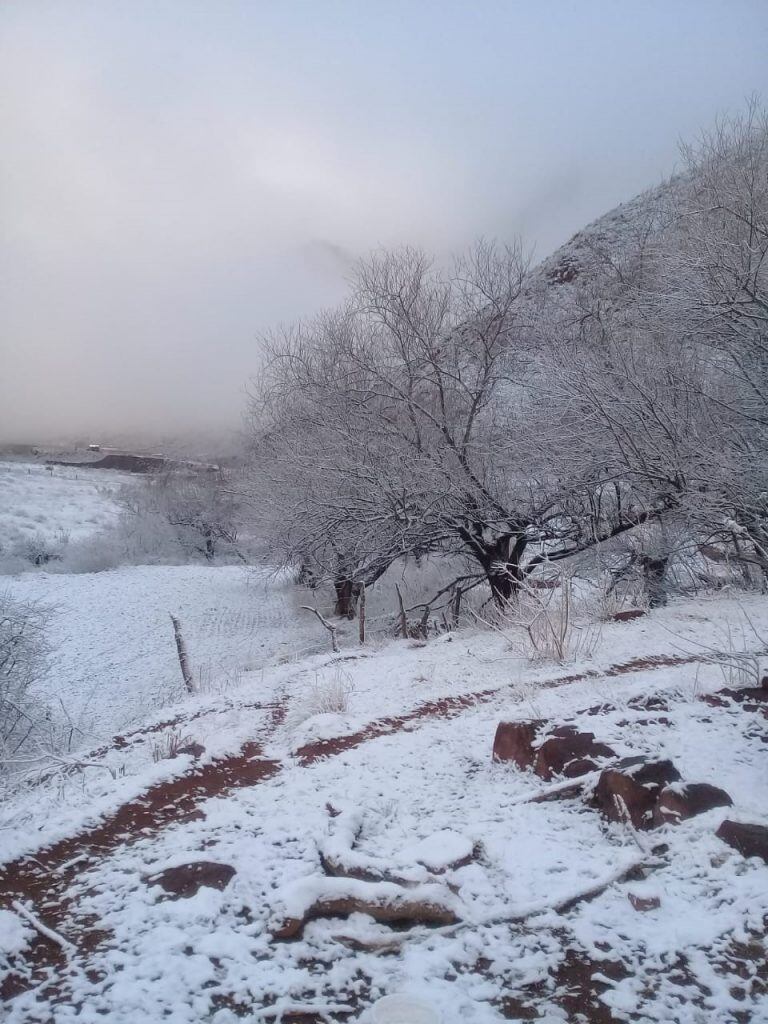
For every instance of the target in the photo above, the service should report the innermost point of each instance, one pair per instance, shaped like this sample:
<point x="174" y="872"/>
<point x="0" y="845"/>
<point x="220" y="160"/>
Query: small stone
<point x="644" y="903"/>
<point x="195" y="750"/>
<point x="187" y="879"/>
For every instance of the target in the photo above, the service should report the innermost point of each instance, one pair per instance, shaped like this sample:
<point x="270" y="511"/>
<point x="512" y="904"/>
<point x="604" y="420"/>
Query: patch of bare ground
<point x="575" y="986"/>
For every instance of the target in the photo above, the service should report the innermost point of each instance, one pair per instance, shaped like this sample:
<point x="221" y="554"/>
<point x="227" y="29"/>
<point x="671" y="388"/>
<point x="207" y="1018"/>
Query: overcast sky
<point x="177" y="176"/>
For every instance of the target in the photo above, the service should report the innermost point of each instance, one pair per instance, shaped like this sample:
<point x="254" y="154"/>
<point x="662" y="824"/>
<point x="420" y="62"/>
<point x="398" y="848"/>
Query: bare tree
<point x="466" y="412"/>
<point x="199" y="505"/>
<point x="714" y="298"/>
<point x="398" y="402"/>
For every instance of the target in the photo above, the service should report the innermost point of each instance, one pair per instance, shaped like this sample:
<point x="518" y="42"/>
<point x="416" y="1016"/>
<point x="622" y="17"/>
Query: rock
<point x="678" y="803"/>
<point x="656" y="774"/>
<point x="581" y="766"/>
<point x="644" y="903"/>
<point x="651" y="702"/>
<point x="568" y="752"/>
<point x="632" y="788"/>
<point x="442" y="851"/>
<point x="514" y="742"/>
<point x="187" y="879"/>
<point x="749" y="696"/>
<point x="627" y="615"/>
<point x="193" y="749"/>
<point x="764" y="682"/>
<point x="749" y="840"/>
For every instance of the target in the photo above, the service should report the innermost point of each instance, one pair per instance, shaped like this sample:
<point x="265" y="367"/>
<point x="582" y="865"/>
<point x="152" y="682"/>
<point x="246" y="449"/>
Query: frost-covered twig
<point x="49" y="933"/>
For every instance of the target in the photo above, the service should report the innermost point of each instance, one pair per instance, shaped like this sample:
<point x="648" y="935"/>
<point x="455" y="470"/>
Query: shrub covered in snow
<point x="22" y="660"/>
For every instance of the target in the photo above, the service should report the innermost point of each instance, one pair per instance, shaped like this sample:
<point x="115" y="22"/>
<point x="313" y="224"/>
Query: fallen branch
<point x="335" y="868"/>
<point x="311" y="898"/>
<point x="44" y="930"/>
<point x="339" y="859"/>
<point x="381" y="946"/>
<point x="329" y="626"/>
<point x="534" y="910"/>
<point x="623" y="812"/>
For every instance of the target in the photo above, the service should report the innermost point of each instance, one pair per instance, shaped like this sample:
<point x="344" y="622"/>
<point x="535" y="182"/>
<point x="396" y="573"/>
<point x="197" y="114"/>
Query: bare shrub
<point x="40" y="549"/>
<point x="738" y="666"/>
<point x="168" y="745"/>
<point x="324" y="697"/>
<point x="613" y="596"/>
<point x="544" y="624"/>
<point x="23" y="658"/>
<point x="216" y="680"/>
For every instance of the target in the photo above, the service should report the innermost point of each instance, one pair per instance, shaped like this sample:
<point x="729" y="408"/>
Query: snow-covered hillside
<point x="606" y="244"/>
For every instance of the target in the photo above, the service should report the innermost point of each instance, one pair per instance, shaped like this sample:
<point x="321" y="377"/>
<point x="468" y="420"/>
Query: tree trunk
<point x="347" y="594"/>
<point x="499" y="558"/>
<point x="361" y="629"/>
<point x="654" y="579"/>
<point x="210" y="544"/>
<point x="501" y="564"/>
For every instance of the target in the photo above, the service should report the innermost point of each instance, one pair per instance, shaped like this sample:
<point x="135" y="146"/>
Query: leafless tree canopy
<point x="473" y="411"/>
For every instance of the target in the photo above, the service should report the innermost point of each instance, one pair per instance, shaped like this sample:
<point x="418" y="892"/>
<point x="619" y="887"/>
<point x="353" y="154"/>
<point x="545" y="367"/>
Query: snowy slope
<point x="608" y="242"/>
<point x="115" y="660"/>
<point x="396" y="797"/>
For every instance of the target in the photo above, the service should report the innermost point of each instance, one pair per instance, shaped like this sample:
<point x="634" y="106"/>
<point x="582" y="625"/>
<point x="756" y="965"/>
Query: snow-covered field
<point x="378" y="761"/>
<point x="115" y="658"/>
<point x="36" y="501"/>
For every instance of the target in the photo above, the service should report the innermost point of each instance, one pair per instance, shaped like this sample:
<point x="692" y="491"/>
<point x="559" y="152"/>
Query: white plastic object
<point x="403" y="1009"/>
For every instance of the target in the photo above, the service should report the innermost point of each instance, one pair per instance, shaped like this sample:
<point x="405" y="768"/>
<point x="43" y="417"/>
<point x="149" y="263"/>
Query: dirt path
<point x="450" y="707"/>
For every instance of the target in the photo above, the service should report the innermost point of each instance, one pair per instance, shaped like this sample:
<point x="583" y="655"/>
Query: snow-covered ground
<point x="190" y="959"/>
<point x="404" y="787"/>
<point x="37" y="501"/>
<point x="115" y="659"/>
